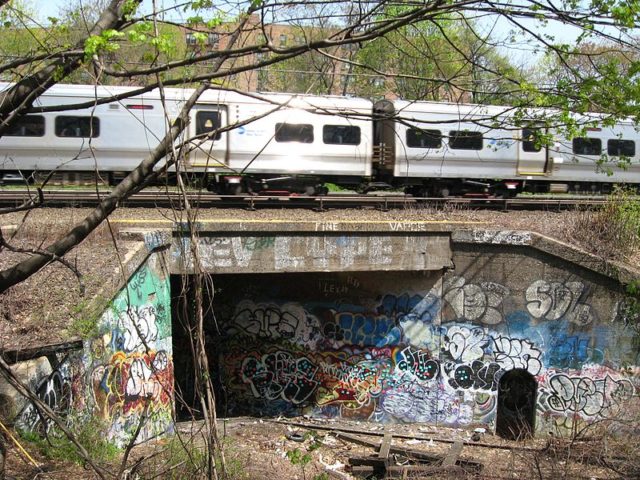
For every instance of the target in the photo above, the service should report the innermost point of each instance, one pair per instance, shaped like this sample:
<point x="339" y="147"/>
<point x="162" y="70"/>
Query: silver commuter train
<point x="283" y="142"/>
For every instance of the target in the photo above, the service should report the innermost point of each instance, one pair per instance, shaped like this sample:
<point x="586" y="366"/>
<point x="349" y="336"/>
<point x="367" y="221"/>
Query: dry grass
<point x="611" y="232"/>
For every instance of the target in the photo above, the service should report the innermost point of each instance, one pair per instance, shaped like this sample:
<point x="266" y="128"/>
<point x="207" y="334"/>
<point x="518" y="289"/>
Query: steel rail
<point x="174" y="199"/>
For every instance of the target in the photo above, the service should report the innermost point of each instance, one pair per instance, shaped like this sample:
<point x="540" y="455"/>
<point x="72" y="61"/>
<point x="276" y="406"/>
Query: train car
<point x="262" y="142"/>
<point x="285" y="142"/>
<point x="245" y="142"/>
<point x="441" y="149"/>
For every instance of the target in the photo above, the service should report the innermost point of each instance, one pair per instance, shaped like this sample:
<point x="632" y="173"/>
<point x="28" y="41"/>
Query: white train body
<point x="274" y="134"/>
<point x="427" y="143"/>
<point x="431" y="148"/>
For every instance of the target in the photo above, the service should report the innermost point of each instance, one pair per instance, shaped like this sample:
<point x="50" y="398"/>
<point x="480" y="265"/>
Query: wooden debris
<point x="328" y="428"/>
<point x="385" y="446"/>
<point x="453" y="454"/>
<point x="379" y="465"/>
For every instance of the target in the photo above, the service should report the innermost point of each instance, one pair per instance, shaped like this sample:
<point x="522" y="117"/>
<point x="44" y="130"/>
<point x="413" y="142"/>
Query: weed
<point x="612" y="231"/>
<point x="86" y="316"/>
<point x="91" y="434"/>
<point x="186" y="457"/>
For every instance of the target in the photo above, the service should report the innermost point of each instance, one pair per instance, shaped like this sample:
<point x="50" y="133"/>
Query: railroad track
<point x="168" y="199"/>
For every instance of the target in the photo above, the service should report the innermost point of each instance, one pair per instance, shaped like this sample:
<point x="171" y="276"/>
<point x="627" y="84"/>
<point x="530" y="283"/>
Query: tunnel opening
<point x="290" y="344"/>
<point x="515" y="417"/>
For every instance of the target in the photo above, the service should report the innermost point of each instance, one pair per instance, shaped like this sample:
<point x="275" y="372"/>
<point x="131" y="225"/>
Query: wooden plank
<point x="453" y="454"/>
<point x="330" y="428"/>
<point x="407" y="471"/>
<point x="385" y="446"/>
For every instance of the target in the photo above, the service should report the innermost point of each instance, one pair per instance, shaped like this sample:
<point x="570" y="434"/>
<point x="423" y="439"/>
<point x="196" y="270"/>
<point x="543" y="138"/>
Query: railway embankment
<point x="454" y="318"/>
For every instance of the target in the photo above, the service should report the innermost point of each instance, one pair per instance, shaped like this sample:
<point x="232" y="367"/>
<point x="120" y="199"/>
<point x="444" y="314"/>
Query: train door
<point x="208" y="152"/>
<point x="533" y="158"/>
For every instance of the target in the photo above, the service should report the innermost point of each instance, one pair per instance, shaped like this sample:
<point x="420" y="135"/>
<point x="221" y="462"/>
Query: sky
<point x="519" y="53"/>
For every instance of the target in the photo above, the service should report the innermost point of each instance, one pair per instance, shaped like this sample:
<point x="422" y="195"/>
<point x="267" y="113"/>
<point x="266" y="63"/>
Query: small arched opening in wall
<point x="515" y="419"/>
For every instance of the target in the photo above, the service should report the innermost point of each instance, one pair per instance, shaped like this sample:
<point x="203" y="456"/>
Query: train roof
<point x="470" y="110"/>
<point x="328" y="102"/>
<point x="465" y="109"/>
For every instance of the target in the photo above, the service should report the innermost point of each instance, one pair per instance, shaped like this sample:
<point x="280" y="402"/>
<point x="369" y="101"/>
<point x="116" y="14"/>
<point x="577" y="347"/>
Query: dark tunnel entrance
<point x="516" y="405"/>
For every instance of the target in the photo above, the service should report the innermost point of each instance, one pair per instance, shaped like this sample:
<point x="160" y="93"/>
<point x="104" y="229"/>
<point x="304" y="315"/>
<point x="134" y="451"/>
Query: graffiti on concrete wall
<point x="125" y="375"/>
<point x="475" y="302"/>
<point x="314" y="253"/>
<point x="280" y="374"/>
<point x="586" y="394"/>
<point x="131" y="365"/>
<point x="554" y="300"/>
<point x="61" y="391"/>
<point x="433" y="356"/>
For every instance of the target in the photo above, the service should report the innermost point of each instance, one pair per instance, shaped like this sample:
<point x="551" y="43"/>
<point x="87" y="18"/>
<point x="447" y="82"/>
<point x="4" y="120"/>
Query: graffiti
<point x="368" y="330"/>
<point x="157" y="239"/>
<point x="554" y="300"/>
<point x="137" y="329"/>
<point x="426" y="405"/>
<point x="130" y="367"/>
<point x="337" y="286"/>
<point x="288" y="322"/>
<point x="569" y="351"/>
<point x="389" y="357"/>
<point x="355" y="383"/>
<point x="312" y="252"/>
<point x="417" y="364"/>
<point x="58" y="391"/>
<point x="408" y="226"/>
<point x="128" y="383"/>
<point x="258" y="243"/>
<point x="475" y="302"/>
<point x="465" y="344"/>
<point x="327" y="226"/>
<point x="513" y="353"/>
<point x="586" y="396"/>
<point x="417" y="319"/>
<point x="508" y="237"/>
<point x="477" y="376"/>
<point x="627" y="311"/>
<point x="280" y="375"/>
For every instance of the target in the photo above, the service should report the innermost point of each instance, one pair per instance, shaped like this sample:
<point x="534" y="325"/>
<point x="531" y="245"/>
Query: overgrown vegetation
<point x="185" y="457"/>
<point x="612" y="231"/>
<point x="91" y="433"/>
<point x="608" y="447"/>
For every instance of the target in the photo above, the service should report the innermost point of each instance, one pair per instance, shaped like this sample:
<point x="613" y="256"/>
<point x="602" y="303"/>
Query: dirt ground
<point x="306" y="449"/>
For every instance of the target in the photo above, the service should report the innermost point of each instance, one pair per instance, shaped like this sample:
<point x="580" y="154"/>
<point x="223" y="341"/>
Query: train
<point x="253" y="143"/>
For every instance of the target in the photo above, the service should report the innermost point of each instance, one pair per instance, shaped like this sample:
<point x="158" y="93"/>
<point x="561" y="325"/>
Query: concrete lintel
<point x="312" y="252"/>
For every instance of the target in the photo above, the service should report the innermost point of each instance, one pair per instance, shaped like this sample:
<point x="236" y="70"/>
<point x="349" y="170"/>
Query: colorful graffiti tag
<point x="125" y="376"/>
<point x="131" y="366"/>
<point x="435" y="356"/>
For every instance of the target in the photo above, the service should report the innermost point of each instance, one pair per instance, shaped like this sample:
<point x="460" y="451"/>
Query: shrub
<point x="612" y="231"/>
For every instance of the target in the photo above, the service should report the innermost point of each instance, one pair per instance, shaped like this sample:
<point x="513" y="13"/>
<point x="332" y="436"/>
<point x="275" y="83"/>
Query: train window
<point x="294" y="132"/>
<point x="85" y="127"/>
<point x="465" y="140"/>
<point x="340" y="135"/>
<point x="207" y="121"/>
<point x="621" y="148"/>
<point x="530" y="140"/>
<point x="27" y="126"/>
<point x="587" y="146"/>
<point x="418" y="138"/>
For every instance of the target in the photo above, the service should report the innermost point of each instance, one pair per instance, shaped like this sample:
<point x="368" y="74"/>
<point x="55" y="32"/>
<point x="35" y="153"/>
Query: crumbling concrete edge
<point x="140" y="246"/>
<point x="622" y="273"/>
